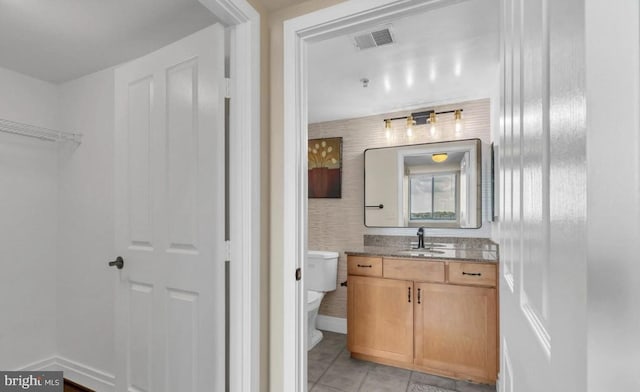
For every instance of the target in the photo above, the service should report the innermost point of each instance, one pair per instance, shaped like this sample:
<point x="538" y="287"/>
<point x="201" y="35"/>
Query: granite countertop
<point x="486" y="253"/>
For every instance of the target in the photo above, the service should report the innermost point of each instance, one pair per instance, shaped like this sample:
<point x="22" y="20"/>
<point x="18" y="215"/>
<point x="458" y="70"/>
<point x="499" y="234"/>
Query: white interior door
<point x="170" y="217"/>
<point x="543" y="193"/>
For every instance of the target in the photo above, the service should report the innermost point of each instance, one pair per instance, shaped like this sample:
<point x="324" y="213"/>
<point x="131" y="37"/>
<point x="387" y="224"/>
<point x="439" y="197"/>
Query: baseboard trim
<point x="77" y="372"/>
<point x="333" y="324"/>
<point x="86" y="375"/>
<point x="44" y="364"/>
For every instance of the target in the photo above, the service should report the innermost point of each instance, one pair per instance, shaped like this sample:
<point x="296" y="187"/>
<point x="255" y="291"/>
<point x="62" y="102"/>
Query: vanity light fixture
<point x="423" y="118"/>
<point x="440" y="157"/>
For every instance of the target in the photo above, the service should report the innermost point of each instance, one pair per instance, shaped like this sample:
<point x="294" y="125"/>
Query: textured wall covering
<point x="338" y="224"/>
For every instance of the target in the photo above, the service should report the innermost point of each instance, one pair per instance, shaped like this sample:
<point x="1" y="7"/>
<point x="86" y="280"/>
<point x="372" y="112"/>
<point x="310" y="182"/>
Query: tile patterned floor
<point x="331" y="369"/>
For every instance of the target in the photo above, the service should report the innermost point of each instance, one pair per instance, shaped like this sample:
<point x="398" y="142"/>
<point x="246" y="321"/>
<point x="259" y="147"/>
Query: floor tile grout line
<point x="364" y="379"/>
<point x="409" y="383"/>
<point x="333" y="361"/>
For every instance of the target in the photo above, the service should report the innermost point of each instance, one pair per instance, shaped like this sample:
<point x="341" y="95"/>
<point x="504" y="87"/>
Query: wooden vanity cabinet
<point x="380" y="317"/>
<point x="434" y="316"/>
<point x="456" y="332"/>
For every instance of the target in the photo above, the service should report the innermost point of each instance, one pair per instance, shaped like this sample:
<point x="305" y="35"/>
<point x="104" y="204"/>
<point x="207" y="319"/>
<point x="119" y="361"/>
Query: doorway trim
<point x="244" y="192"/>
<point x="348" y="17"/>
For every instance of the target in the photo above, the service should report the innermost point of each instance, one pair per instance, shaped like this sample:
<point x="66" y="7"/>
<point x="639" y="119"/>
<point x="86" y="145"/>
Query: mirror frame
<point x="479" y="199"/>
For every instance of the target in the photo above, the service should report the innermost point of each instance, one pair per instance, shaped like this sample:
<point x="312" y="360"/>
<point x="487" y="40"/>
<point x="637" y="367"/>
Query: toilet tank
<point x="322" y="270"/>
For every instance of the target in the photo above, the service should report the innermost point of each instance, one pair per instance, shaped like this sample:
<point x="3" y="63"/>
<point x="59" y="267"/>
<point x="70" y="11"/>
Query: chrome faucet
<point x="421" y="238"/>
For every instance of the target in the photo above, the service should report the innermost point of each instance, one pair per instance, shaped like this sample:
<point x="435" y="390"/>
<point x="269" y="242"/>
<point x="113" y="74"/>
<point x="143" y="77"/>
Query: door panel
<point x="140" y="332"/>
<point x="182" y="155"/>
<point x="139" y="160"/>
<point x="456" y="330"/>
<point x="380" y="317"/>
<point x="170" y="217"/>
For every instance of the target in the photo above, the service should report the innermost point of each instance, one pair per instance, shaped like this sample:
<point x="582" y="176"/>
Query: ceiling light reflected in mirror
<point x="440" y="157"/>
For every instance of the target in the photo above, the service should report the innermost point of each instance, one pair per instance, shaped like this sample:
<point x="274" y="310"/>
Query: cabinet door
<point x="380" y="317"/>
<point x="455" y="330"/>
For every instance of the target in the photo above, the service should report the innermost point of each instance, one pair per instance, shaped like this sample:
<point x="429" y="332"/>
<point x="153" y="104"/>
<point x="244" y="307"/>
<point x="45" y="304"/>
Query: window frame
<point x="456" y="176"/>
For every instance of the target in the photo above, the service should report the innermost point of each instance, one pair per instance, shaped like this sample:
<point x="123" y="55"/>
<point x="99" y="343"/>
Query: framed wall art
<point x="325" y="168"/>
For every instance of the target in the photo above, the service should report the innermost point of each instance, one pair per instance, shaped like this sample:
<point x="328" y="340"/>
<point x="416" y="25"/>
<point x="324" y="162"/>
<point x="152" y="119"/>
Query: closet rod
<point x="41" y="133"/>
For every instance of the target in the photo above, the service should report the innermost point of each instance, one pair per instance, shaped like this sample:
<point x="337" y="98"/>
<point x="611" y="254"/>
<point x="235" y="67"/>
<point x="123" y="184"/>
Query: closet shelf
<point x="41" y="133"/>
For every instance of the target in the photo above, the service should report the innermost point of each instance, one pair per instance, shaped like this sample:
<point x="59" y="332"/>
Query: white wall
<point x="85" y="286"/>
<point x="28" y="216"/>
<point x="56" y="231"/>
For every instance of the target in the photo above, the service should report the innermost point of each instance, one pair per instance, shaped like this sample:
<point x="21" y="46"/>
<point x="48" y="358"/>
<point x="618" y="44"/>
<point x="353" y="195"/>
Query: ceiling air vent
<point x="374" y="39"/>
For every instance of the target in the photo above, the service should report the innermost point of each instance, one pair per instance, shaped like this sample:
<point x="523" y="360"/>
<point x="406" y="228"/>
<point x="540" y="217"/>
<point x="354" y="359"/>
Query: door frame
<point x="244" y="192"/>
<point x="347" y="17"/>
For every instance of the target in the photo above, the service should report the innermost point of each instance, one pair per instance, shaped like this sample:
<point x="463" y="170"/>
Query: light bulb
<point x="433" y="120"/>
<point x="458" y="119"/>
<point x="387" y="128"/>
<point x="410" y="123"/>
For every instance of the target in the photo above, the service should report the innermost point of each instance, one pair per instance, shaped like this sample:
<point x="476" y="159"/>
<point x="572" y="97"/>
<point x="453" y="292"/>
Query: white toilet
<point x="320" y="277"/>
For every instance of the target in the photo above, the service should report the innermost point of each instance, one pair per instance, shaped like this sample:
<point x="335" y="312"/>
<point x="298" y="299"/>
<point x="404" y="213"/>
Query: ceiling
<point x="60" y="40"/>
<point x="444" y="55"/>
<point x="275" y="5"/>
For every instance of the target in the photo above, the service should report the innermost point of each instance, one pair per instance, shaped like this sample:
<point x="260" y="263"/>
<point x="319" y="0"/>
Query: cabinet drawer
<point x="416" y="270"/>
<point x="475" y="274"/>
<point x="363" y="265"/>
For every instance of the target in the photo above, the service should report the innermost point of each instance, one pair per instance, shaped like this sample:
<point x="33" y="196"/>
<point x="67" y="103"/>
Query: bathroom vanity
<point x="433" y="310"/>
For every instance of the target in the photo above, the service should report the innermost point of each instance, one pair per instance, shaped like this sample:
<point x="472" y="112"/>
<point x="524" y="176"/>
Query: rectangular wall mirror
<point x="436" y="185"/>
